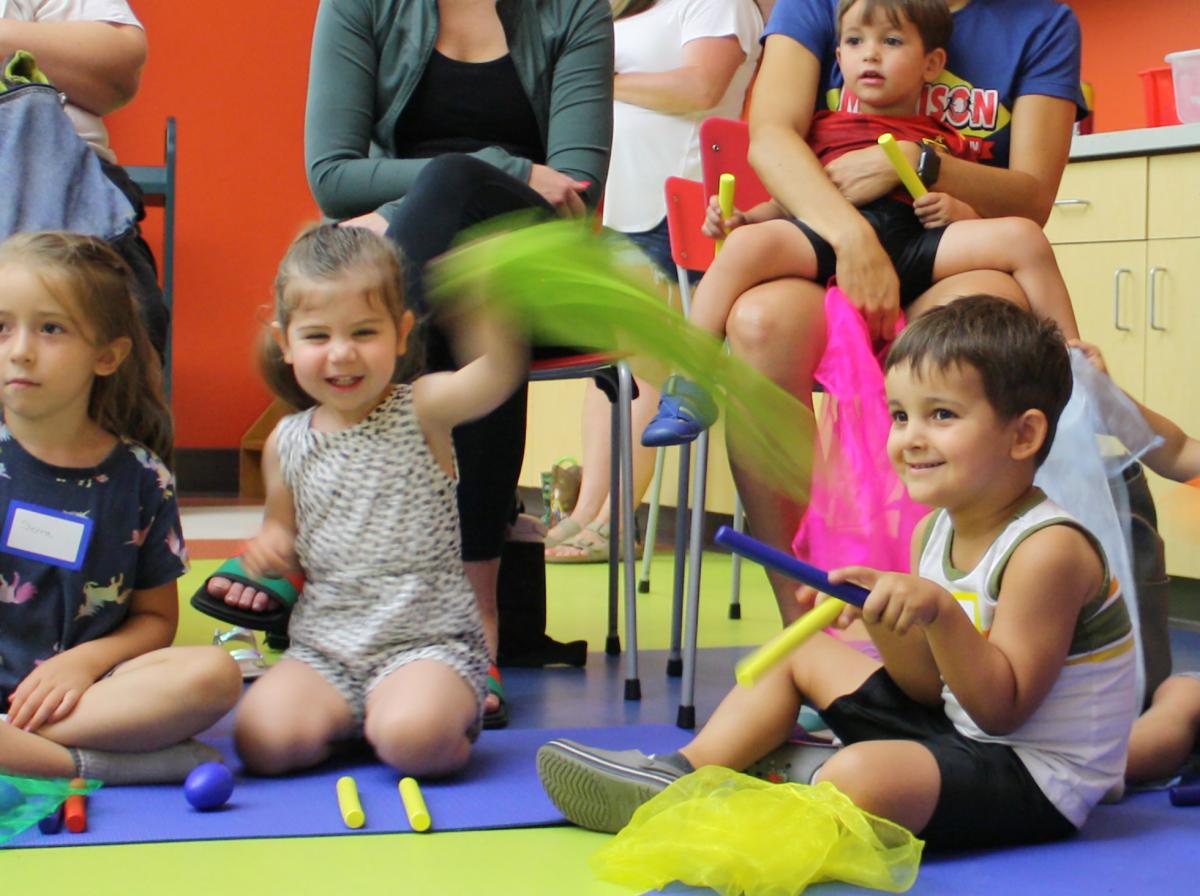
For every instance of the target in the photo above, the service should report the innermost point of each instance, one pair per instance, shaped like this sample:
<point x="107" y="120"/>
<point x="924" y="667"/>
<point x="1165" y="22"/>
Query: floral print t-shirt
<point x="133" y="542"/>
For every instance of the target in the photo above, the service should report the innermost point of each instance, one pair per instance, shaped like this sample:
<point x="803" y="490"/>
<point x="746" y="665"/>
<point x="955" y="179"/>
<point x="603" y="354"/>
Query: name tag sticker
<point x="51" y="536"/>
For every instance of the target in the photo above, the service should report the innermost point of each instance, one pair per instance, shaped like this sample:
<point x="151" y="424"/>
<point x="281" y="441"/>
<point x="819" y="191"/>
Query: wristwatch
<point x="929" y="165"/>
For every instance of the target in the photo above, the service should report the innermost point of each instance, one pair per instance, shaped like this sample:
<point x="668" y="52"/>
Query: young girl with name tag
<point x="91" y="545"/>
<point x="387" y="643"/>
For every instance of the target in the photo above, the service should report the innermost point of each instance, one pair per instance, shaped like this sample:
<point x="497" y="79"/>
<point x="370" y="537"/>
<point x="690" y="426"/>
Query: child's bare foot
<point x="235" y="594"/>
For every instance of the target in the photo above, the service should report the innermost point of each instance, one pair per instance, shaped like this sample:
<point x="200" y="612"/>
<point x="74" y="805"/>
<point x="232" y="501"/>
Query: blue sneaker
<point x="684" y="411"/>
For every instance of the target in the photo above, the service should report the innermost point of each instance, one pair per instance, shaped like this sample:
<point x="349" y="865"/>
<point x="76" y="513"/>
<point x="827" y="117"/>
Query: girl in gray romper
<point x="386" y="638"/>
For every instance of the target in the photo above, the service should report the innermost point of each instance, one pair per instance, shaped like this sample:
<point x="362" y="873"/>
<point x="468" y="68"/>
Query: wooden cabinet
<point x="1127" y="238"/>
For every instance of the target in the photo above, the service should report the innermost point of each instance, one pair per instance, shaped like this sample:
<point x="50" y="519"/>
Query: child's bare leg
<point x="750" y="722"/>
<point x="418" y="718"/>
<point x="601" y="789"/>
<point x="894" y="779"/>
<point x="152" y="701"/>
<point x="1166" y="733"/>
<point x="290" y="719"/>
<point x="752" y="254"/>
<point x="22" y="753"/>
<point x="1016" y="246"/>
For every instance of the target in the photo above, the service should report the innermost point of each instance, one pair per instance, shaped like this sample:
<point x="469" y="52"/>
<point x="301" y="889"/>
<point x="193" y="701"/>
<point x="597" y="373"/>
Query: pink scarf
<point x="859" y="513"/>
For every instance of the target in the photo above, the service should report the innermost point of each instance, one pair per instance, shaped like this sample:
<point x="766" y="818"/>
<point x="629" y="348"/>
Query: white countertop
<point x="1139" y="142"/>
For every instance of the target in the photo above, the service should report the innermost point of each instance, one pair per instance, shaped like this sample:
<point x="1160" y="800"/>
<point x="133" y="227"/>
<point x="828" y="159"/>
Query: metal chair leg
<point x="735" y="588"/>
<point x="674" y="658"/>
<point x="686" y="717"/>
<point x="652" y="522"/>
<point x="612" y="644"/>
<point x="633" y="686"/>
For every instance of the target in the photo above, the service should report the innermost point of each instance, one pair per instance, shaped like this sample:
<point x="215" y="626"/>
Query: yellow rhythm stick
<point x="349" y="804"/>
<point x="414" y="804"/>
<point x="752" y="667"/>
<point x="725" y="199"/>
<point x="908" y="176"/>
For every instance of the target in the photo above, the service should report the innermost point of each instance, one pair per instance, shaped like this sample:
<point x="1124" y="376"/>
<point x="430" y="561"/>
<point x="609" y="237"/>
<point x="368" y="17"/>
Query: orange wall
<point x="1122" y="38"/>
<point x="234" y="73"/>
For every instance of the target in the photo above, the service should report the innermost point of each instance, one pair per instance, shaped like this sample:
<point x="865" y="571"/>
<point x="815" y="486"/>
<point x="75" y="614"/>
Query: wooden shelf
<point x="250" y="449"/>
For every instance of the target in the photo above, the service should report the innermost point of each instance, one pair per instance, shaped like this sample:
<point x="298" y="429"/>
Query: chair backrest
<point x="724" y="145"/>
<point x="157" y="183"/>
<point x="686" y="203"/>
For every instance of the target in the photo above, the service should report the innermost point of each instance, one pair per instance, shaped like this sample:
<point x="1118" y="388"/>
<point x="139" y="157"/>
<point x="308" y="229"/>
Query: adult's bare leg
<point x="593" y="507"/>
<point x="779" y="329"/>
<point x="993" y="283"/>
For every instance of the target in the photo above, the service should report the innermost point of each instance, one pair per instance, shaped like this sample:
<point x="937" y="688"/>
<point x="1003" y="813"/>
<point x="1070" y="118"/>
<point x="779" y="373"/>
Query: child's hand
<point x="897" y="601"/>
<point x="940" y="209"/>
<point x="270" y="553"/>
<point x="50" y="692"/>
<point x="715" y="226"/>
<point x="1091" y="352"/>
<point x="808" y="598"/>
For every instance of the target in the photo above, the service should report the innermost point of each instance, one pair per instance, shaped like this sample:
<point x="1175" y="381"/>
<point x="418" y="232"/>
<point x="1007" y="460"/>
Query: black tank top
<point x="466" y="106"/>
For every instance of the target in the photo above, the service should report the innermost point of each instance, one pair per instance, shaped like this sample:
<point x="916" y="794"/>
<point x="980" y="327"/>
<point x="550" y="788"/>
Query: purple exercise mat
<point x="499" y="789"/>
<point x="1143" y="845"/>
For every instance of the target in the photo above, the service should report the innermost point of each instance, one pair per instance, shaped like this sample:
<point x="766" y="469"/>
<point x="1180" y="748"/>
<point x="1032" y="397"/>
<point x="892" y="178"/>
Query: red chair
<point x="724" y="148"/>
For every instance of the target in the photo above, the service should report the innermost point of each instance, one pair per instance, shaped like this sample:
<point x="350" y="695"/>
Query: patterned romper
<point x="378" y="540"/>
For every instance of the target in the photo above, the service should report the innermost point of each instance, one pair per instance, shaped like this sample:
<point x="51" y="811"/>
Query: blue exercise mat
<point x="499" y="789"/>
<point x="1143" y="845"/>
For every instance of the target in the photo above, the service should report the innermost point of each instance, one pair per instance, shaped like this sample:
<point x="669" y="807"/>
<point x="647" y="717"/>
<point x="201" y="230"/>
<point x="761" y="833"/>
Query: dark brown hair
<point x="96" y="286"/>
<point x="623" y="9"/>
<point x="1021" y="358"/>
<point x="321" y="253"/>
<point x="932" y="18"/>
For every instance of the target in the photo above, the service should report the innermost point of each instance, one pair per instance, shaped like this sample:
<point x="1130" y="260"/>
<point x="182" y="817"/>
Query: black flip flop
<point x="274" y="621"/>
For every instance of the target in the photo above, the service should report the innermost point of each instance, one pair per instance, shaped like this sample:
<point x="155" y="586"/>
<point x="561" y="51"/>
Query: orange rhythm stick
<point x="75" y="808"/>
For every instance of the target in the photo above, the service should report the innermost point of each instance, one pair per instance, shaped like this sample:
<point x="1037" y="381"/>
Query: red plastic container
<point x="1158" y="89"/>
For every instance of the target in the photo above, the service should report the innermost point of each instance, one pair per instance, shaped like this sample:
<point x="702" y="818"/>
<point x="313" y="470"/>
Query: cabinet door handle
<point x="1117" y="298"/>
<point x="1059" y="203"/>
<point x="1151" y="287"/>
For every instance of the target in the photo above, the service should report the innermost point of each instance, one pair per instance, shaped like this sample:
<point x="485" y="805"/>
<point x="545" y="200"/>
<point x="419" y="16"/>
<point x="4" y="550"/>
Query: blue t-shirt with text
<point x="1000" y="50"/>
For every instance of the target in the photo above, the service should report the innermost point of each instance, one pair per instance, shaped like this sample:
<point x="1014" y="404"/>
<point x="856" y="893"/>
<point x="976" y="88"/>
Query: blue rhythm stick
<point x="751" y="668"/>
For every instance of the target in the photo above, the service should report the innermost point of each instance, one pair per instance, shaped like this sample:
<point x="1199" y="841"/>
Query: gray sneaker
<point x="793" y="762"/>
<point x="600" y="789"/>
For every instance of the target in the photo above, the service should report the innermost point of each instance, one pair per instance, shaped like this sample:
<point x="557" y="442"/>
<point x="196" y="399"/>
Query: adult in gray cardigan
<point x="427" y="116"/>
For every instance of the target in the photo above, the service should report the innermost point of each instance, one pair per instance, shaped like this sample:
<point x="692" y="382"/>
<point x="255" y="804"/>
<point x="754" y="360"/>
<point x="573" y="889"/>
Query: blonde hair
<point x="322" y="253"/>
<point x="95" y="284"/>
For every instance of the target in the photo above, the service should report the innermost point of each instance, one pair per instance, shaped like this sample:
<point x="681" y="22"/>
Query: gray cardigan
<point x="369" y="55"/>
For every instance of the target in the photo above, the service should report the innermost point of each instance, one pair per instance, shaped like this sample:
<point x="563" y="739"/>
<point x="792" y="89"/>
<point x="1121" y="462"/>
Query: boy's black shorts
<point x="911" y="247"/>
<point x="988" y="797"/>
